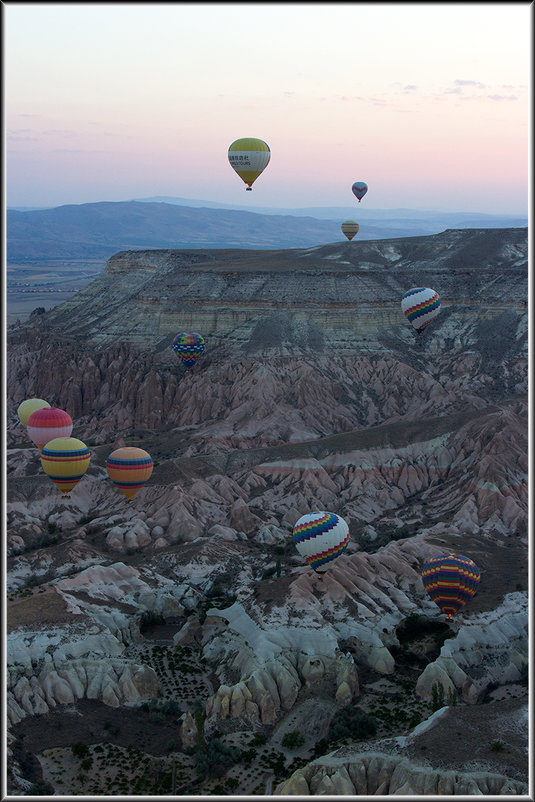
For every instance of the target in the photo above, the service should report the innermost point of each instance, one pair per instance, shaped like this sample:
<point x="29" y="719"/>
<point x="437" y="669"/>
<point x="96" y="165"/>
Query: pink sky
<point x="427" y="103"/>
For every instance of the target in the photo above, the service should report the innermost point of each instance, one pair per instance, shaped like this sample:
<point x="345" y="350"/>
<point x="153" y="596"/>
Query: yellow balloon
<point x="350" y="228"/>
<point x="28" y="407"/>
<point x="65" y="460"/>
<point x="249" y="157"/>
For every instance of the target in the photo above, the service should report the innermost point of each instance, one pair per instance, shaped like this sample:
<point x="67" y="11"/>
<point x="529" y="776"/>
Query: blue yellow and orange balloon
<point x="359" y="189"/>
<point x="249" y="157"/>
<point x="350" y="228"/>
<point x="420" y="305"/>
<point x="450" y="581"/>
<point x="189" y="347"/>
<point x="65" y="460"/>
<point x="26" y="408"/>
<point x="320" y="537"/>
<point x="48" y="423"/>
<point x="129" y="468"/>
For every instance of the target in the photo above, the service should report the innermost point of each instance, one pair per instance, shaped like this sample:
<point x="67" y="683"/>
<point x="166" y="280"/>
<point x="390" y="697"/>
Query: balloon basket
<point x="248" y="189"/>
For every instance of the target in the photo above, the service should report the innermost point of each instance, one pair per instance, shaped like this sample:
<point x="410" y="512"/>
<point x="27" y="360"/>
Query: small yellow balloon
<point x="350" y="228"/>
<point x="28" y="407"/>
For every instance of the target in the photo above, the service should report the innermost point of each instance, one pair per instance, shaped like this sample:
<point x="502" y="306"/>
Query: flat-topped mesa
<point x="342" y="295"/>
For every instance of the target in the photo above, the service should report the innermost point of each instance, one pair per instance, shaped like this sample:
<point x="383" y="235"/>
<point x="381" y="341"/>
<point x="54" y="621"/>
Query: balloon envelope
<point x="28" y="407"/>
<point x="65" y="460"/>
<point x="450" y="581"/>
<point x="320" y="537"/>
<point x="350" y="228"/>
<point x="249" y="157"/>
<point x="359" y="189"/>
<point x="420" y="305"/>
<point x="129" y="468"/>
<point x="48" y="423"/>
<point x="188" y="346"/>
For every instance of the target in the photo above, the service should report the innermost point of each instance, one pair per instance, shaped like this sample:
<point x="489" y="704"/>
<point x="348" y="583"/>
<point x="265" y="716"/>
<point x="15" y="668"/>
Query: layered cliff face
<point x="314" y="393"/>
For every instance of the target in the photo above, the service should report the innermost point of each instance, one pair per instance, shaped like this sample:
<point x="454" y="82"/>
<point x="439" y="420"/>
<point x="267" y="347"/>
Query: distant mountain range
<point x="98" y="230"/>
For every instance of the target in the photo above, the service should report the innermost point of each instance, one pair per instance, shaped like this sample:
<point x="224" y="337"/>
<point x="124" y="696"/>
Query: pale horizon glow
<point x="427" y="103"/>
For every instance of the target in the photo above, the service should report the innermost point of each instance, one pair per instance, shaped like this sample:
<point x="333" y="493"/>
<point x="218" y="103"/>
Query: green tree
<point x="293" y="740"/>
<point x="79" y="749"/>
<point x="437" y="692"/>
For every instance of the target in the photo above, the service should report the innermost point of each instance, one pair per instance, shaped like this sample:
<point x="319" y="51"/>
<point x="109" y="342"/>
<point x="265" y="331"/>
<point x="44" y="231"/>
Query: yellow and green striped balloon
<point x="65" y="460"/>
<point x="350" y="228"/>
<point x="249" y="157"/>
<point x="28" y="407"/>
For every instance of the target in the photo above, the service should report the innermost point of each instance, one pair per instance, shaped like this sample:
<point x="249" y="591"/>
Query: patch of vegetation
<point x="216" y="758"/>
<point x="350" y="722"/>
<point x="293" y="740"/>
<point x="496" y="746"/>
<point x="415" y="627"/>
<point x="79" y="749"/>
<point x="149" y="619"/>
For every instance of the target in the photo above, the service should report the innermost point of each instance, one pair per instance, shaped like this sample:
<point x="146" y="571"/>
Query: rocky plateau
<point x="191" y="603"/>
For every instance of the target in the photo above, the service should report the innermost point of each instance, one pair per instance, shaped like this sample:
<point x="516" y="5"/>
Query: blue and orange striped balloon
<point x="65" y="460"/>
<point x="450" y="581"/>
<point x="320" y="537"/>
<point x="420" y="305"/>
<point x="188" y="346"/>
<point x="129" y="468"/>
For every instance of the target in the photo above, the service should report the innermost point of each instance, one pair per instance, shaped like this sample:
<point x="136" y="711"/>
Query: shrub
<point x="321" y="746"/>
<point x="150" y="618"/>
<point x="496" y="746"/>
<point x="79" y="749"/>
<point x="293" y="740"/>
<point x="349" y="722"/>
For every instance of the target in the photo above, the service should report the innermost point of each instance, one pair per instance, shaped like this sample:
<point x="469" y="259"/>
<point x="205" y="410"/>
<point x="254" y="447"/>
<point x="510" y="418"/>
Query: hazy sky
<point x="427" y="103"/>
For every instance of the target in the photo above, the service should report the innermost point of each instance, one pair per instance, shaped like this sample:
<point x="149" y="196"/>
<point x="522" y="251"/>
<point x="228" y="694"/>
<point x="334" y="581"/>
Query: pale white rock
<point x="241" y="518"/>
<point x="183" y="527"/>
<point x="223" y="532"/>
<point x="489" y="647"/>
<point x="157" y="531"/>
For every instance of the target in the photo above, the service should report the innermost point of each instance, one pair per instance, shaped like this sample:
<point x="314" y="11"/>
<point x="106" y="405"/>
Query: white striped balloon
<point x="320" y="537"/>
<point x="420" y="305"/>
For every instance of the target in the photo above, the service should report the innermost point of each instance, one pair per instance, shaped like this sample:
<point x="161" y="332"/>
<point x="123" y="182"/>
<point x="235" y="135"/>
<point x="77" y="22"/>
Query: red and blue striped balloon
<point x="450" y="581"/>
<point x="189" y="347"/>
<point x="129" y="468"/>
<point x="65" y="460"/>
<point x="320" y="537"/>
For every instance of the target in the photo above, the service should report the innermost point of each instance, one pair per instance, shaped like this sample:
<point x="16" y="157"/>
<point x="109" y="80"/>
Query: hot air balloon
<point x="48" y="423"/>
<point x="129" y="468"/>
<point x="27" y="407"/>
<point x="320" y="537"/>
<point x="359" y="189"/>
<point x="249" y="157"/>
<point x="350" y="228"/>
<point x="420" y="305"/>
<point x="450" y="581"/>
<point x="65" y="460"/>
<point x="188" y="346"/>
